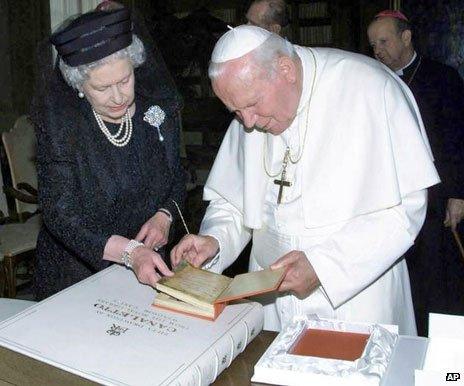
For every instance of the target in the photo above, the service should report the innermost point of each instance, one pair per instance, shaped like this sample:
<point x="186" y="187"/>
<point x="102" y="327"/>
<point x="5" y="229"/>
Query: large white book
<point x="105" y="329"/>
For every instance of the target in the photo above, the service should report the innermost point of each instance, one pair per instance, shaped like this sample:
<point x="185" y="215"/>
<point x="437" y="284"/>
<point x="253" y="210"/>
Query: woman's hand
<point x="148" y="265"/>
<point x="155" y="232"/>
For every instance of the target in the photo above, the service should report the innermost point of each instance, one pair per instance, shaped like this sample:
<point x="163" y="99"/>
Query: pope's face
<point x="389" y="46"/>
<point x="268" y="103"/>
<point x="110" y="89"/>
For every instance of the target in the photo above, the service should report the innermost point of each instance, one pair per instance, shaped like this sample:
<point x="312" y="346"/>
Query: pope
<point x="325" y="168"/>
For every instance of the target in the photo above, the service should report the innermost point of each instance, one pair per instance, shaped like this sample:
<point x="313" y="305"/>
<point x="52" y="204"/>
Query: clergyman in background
<point x="435" y="266"/>
<point x="271" y="15"/>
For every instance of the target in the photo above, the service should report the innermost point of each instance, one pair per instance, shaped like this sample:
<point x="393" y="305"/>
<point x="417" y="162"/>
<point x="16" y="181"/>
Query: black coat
<point x="439" y="92"/>
<point x="435" y="266"/>
<point x="90" y="189"/>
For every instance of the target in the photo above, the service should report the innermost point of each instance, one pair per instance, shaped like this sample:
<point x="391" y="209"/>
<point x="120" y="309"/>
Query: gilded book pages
<point x="194" y="284"/>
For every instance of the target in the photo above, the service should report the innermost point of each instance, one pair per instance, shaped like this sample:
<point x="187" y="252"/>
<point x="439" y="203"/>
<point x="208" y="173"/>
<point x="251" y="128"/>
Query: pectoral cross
<point x="283" y="182"/>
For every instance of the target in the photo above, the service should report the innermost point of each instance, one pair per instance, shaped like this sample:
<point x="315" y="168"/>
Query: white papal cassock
<point x="358" y="194"/>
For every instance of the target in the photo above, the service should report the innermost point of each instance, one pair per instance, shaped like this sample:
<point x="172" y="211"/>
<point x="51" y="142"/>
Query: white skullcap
<point x="237" y="42"/>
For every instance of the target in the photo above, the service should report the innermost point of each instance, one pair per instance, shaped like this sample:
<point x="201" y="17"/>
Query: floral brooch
<point x="155" y="117"/>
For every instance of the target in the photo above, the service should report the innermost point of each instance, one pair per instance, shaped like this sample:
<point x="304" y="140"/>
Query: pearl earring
<point x="80" y="94"/>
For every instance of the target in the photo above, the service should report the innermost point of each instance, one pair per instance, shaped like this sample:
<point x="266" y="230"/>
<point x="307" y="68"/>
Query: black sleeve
<point x="60" y="201"/>
<point x="452" y="128"/>
<point x="177" y="193"/>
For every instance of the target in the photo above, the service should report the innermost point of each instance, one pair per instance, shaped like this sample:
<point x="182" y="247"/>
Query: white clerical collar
<point x="400" y="71"/>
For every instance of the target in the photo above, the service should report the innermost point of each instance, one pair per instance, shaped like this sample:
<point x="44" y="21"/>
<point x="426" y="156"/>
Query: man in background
<point x="435" y="265"/>
<point x="268" y="14"/>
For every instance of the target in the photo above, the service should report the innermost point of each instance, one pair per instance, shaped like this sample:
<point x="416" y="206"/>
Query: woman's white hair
<point x="76" y="76"/>
<point x="265" y="56"/>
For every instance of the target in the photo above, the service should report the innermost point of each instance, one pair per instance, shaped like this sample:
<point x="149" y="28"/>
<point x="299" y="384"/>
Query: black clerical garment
<point x="90" y="189"/>
<point x="436" y="268"/>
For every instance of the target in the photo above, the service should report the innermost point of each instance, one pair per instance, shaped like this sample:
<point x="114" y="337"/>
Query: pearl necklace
<point x="125" y="128"/>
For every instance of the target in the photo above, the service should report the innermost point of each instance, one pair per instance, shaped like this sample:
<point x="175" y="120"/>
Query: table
<point x="27" y="371"/>
<point x="240" y="371"/>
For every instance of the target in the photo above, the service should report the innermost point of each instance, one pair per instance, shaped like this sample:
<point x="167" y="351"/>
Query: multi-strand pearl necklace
<point x="124" y="133"/>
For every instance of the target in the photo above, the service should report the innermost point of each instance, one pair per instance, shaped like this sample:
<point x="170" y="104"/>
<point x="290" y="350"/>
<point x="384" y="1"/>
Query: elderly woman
<point x="110" y="179"/>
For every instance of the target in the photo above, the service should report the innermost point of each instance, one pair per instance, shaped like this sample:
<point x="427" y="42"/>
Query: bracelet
<point x="126" y="255"/>
<point x="166" y="212"/>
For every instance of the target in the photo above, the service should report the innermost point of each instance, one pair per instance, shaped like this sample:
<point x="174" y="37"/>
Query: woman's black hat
<point x="93" y="36"/>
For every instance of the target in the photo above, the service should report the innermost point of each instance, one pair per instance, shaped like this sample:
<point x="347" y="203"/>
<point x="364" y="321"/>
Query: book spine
<point x="249" y="329"/>
<point x="223" y="353"/>
<point x="218" y="357"/>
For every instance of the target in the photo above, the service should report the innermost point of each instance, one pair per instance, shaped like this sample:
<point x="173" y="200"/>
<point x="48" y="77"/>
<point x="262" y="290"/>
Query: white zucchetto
<point x="238" y="42"/>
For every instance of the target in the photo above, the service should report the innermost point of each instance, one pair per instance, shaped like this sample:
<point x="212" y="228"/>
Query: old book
<point x="204" y="294"/>
<point x="105" y="329"/>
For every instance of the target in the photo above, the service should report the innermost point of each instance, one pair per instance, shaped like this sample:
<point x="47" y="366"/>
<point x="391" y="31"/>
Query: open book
<point x="204" y="294"/>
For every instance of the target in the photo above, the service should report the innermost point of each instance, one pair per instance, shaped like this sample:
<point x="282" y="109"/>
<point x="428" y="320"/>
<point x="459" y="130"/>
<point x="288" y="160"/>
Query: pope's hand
<point x="155" y="232"/>
<point x="300" y="277"/>
<point x="195" y="249"/>
<point x="148" y="265"/>
<point x="454" y="212"/>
